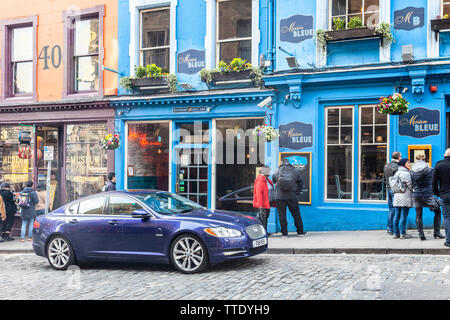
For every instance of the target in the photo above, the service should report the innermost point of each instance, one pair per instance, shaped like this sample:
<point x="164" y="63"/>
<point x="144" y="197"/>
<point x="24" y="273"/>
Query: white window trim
<point x="211" y="43"/>
<point x="434" y="9"/>
<point x="375" y="144"/>
<point x="351" y="200"/>
<point x="135" y="6"/>
<point x="321" y="23"/>
<point x="330" y="18"/>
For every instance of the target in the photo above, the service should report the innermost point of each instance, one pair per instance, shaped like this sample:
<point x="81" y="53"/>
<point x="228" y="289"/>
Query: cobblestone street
<point x="26" y="276"/>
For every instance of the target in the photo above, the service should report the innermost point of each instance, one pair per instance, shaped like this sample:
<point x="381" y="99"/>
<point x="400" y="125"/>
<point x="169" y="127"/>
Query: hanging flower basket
<point x="110" y="142"/>
<point x="25" y="152"/>
<point x="265" y="132"/>
<point x="393" y="105"/>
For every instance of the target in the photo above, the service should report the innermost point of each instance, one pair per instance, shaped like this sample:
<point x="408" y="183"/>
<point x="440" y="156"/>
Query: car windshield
<point x="168" y="203"/>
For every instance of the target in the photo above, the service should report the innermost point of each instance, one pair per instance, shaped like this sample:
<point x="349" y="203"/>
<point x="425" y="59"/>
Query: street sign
<point x="48" y="153"/>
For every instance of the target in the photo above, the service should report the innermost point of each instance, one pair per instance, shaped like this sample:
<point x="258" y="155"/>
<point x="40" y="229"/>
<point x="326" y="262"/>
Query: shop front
<point x="80" y="165"/>
<point x="201" y="147"/>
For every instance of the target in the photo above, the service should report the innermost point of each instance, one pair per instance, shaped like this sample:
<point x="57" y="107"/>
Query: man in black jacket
<point x="288" y="187"/>
<point x="389" y="170"/>
<point x="441" y="188"/>
<point x="11" y="209"/>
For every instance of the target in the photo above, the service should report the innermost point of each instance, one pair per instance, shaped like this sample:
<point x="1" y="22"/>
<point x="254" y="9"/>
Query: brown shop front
<point x="74" y="129"/>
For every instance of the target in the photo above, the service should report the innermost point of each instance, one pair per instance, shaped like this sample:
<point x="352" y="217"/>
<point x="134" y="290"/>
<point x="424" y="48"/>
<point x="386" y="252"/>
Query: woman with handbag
<point x="401" y="186"/>
<point x="263" y="190"/>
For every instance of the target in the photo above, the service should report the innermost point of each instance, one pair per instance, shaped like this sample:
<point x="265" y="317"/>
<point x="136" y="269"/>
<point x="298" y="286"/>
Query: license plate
<point x="259" y="242"/>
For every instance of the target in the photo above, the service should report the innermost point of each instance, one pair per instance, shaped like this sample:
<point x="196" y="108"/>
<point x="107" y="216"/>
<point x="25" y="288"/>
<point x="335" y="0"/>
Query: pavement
<point x="329" y="242"/>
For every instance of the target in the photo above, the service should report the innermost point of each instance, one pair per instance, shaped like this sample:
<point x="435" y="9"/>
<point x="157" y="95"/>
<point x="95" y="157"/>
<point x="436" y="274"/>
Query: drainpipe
<point x="271" y="35"/>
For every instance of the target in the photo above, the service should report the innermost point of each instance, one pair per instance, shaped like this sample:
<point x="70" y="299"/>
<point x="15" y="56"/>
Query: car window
<point x="122" y="205"/>
<point x="73" y="209"/>
<point x="92" y="206"/>
<point x="246" y="193"/>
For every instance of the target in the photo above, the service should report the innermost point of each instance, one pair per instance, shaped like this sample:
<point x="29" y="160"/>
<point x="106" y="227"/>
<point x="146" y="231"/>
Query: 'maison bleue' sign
<point x="296" y="28"/>
<point x="296" y="135"/>
<point x="419" y="123"/>
<point x="191" y="61"/>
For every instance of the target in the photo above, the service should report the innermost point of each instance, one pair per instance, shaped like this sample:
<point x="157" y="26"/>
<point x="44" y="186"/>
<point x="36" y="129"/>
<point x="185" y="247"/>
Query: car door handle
<point x="113" y="222"/>
<point x="73" y="221"/>
<point x="159" y="233"/>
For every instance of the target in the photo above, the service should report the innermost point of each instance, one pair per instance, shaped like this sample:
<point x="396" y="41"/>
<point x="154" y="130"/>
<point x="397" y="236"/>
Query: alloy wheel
<point x="188" y="254"/>
<point x="59" y="253"/>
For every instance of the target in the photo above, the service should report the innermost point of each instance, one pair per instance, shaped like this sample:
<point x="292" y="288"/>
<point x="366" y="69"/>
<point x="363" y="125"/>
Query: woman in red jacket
<point x="262" y="188"/>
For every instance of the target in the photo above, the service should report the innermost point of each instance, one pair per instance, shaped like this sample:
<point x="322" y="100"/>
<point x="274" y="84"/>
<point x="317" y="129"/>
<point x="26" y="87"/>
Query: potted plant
<point x="238" y="69"/>
<point x="110" y="142"/>
<point x="150" y="78"/>
<point x="265" y="132"/>
<point x="394" y="105"/>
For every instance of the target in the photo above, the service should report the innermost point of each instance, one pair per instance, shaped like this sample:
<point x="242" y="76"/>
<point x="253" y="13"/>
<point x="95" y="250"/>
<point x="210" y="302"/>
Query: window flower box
<point x="231" y="76"/>
<point x="351" y="34"/>
<point x="153" y="84"/>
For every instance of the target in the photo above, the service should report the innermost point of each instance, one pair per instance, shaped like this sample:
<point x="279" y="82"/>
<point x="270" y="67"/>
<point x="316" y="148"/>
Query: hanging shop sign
<point x="409" y="18"/>
<point x="296" y="29"/>
<point x="419" y="123"/>
<point x="191" y="61"/>
<point x="302" y="161"/>
<point x="296" y="135"/>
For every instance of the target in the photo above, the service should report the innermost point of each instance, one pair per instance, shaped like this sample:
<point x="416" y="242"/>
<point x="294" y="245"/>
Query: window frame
<point x="352" y="107"/>
<point x="219" y="42"/>
<point x="7" y="87"/>
<point x="360" y="144"/>
<point x="69" y="17"/>
<point x="363" y="13"/>
<point x="141" y="50"/>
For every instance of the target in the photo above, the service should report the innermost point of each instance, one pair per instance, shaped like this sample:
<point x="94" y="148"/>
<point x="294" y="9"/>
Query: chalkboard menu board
<point x="302" y="161"/>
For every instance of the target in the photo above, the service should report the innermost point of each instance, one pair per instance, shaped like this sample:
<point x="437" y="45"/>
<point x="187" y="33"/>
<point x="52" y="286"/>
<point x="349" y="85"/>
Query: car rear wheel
<point x="60" y="253"/>
<point x="189" y="254"/>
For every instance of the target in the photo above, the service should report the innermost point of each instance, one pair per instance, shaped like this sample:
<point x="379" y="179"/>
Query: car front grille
<point x="255" y="231"/>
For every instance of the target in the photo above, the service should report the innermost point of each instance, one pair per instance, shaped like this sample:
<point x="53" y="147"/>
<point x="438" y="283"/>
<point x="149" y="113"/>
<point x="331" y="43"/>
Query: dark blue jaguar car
<point x="145" y="226"/>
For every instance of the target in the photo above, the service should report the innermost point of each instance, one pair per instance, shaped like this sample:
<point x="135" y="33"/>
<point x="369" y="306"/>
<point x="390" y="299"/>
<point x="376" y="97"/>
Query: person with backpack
<point x="111" y="184"/>
<point x="263" y="195"/>
<point x="28" y="199"/>
<point x="288" y="186"/>
<point x="421" y="176"/>
<point x="11" y="208"/>
<point x="441" y="188"/>
<point x="389" y="170"/>
<point x="401" y="186"/>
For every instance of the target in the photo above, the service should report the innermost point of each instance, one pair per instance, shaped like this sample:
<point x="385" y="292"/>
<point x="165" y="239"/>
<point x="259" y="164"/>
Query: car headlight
<point x="222" y="232"/>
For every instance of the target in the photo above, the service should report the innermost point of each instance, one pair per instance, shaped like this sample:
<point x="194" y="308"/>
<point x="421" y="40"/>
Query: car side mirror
<point x="140" y="214"/>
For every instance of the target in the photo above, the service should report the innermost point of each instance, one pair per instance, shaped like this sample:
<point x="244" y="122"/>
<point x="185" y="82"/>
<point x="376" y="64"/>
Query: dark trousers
<point x="295" y="211"/>
<point x="263" y="215"/>
<point x="437" y="220"/>
<point x="8" y="223"/>
<point x="446" y="214"/>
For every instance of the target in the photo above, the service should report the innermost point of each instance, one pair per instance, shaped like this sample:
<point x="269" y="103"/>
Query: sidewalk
<point x="338" y="242"/>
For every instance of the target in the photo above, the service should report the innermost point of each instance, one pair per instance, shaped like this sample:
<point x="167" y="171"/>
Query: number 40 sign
<point x="54" y="55"/>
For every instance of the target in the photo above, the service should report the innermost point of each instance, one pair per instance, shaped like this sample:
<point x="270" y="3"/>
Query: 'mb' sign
<point x="409" y="18"/>
<point x="296" y="28"/>
<point x="419" y="123"/>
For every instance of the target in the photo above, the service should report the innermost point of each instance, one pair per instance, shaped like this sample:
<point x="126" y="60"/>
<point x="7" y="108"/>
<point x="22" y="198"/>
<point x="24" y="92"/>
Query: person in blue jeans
<point x="389" y="170"/>
<point x="441" y="188"/>
<point x="402" y="200"/>
<point x="28" y="211"/>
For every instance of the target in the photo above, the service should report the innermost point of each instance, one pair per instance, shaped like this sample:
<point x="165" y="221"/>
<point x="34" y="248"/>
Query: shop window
<point x="155" y="38"/>
<point x="14" y="170"/>
<point x="234" y="30"/>
<point x="372" y="152"/>
<point x="19" y="58"/>
<point x="148" y="156"/>
<point x="339" y="153"/>
<point x="84" y="52"/>
<point x="366" y="10"/>
<point x="122" y="206"/>
<point x="86" y="162"/>
<point x="238" y="161"/>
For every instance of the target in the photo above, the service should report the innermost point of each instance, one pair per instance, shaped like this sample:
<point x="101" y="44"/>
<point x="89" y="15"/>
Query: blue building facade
<point x="320" y="94"/>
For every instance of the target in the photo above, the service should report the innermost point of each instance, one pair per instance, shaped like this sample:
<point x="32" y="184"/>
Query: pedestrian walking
<point x="111" y="184"/>
<point x="421" y="176"/>
<point x="389" y="170"/>
<point x="2" y="213"/>
<point x="263" y="195"/>
<point x="441" y="188"/>
<point x="11" y="208"/>
<point x="42" y="196"/>
<point x="288" y="186"/>
<point x="401" y="186"/>
<point x="27" y="202"/>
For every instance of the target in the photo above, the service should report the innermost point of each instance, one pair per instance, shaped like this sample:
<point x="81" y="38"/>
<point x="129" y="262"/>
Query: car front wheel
<point x="60" y="253"/>
<point x="188" y="254"/>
